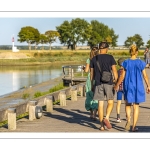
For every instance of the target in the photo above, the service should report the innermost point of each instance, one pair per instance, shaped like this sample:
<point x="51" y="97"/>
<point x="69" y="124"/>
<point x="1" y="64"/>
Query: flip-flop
<point x="107" y="123"/>
<point x="127" y="127"/>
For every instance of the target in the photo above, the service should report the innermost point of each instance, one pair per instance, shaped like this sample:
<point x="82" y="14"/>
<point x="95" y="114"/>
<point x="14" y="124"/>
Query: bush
<point x="35" y="54"/>
<point x="25" y="95"/>
<point x="37" y="94"/>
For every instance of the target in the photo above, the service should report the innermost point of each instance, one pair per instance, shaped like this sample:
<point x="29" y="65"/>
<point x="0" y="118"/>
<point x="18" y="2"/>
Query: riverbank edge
<point x="34" y="86"/>
<point x="43" y="63"/>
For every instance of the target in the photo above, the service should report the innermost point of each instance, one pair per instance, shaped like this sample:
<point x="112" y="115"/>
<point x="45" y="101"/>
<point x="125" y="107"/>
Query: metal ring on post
<point x="38" y="112"/>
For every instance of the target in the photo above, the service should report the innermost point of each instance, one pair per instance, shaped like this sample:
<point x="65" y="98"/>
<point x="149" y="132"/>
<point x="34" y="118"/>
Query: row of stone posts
<point x="35" y="111"/>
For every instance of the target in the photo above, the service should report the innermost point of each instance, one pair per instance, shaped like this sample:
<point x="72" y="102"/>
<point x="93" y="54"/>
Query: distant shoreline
<point x="26" y="58"/>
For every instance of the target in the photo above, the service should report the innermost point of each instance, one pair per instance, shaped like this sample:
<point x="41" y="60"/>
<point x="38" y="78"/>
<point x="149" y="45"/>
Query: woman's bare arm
<point x="92" y="77"/>
<point x="146" y="80"/>
<point x="86" y="69"/>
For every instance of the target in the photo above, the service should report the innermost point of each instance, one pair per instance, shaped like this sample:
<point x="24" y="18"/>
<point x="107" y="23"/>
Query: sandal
<point x="107" y="123"/>
<point x="135" y="129"/>
<point x="102" y="128"/>
<point x="127" y="127"/>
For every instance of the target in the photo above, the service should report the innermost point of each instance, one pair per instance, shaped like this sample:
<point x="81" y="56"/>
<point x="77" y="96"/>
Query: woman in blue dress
<point x="133" y="74"/>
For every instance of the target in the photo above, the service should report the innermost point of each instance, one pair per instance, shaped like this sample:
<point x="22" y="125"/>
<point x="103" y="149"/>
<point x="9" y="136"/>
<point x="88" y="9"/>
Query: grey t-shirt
<point x="147" y="55"/>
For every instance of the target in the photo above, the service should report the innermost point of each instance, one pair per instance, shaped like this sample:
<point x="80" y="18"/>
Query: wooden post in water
<point x="62" y="96"/>
<point x="32" y="105"/>
<point x="12" y="118"/>
<point x="49" y="104"/>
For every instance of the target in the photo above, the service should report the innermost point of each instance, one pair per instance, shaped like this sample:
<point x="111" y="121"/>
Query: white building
<point x="14" y="49"/>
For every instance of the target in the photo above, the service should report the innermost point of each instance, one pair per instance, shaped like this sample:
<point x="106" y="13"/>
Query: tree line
<point x="77" y="31"/>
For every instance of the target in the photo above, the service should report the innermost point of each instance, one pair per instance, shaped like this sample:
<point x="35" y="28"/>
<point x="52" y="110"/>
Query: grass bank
<point x="55" y="56"/>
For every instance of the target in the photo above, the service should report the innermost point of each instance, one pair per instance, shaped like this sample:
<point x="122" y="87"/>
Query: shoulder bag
<point x="105" y="75"/>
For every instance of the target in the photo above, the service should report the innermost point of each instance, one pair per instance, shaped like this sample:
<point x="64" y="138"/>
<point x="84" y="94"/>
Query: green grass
<point x="51" y="90"/>
<point x="80" y="75"/>
<point x="3" y="123"/>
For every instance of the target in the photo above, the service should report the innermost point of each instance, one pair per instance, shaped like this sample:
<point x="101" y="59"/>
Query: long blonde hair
<point x="93" y="52"/>
<point x="133" y="49"/>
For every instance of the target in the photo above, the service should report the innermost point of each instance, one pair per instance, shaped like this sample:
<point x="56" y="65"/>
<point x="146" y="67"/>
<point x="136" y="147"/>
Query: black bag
<point x="105" y="75"/>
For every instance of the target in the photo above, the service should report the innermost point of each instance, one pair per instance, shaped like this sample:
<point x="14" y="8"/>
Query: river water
<point x="15" y="78"/>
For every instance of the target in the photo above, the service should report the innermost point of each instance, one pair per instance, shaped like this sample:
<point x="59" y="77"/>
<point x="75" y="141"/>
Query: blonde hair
<point x="93" y="52"/>
<point x="133" y="49"/>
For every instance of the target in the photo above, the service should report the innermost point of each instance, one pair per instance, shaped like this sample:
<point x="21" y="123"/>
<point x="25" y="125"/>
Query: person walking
<point x="101" y="66"/>
<point x="132" y="75"/>
<point x="90" y="104"/>
<point x="120" y="92"/>
<point x="147" y="57"/>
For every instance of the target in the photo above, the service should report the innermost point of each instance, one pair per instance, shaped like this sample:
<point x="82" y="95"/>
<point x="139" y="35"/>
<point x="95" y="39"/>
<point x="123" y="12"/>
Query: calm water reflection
<point x="15" y="78"/>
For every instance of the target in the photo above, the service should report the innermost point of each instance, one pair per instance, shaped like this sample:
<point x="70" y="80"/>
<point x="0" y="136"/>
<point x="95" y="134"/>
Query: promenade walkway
<point x="74" y="118"/>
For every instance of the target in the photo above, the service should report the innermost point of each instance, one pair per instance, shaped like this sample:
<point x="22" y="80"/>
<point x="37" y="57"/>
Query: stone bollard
<point x="74" y="95"/>
<point x="12" y="118"/>
<point x="80" y="88"/>
<point x="49" y="104"/>
<point x="32" y="105"/>
<point x="62" y="96"/>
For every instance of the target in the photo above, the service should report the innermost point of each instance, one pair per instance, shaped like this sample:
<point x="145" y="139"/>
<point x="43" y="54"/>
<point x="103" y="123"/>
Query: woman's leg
<point x="91" y="113"/>
<point x="94" y="114"/>
<point x="128" y="114"/>
<point x="128" y="110"/>
<point x="135" y="114"/>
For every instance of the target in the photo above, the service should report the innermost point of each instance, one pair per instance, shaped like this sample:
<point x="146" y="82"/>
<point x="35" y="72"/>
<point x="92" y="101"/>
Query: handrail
<point x="70" y="69"/>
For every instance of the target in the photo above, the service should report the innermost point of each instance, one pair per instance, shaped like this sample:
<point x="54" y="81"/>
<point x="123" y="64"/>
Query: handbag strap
<point x="98" y="65"/>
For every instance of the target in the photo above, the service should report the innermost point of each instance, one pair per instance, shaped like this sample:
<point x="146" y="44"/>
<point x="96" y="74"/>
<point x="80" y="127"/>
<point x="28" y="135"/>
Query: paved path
<point x="74" y="118"/>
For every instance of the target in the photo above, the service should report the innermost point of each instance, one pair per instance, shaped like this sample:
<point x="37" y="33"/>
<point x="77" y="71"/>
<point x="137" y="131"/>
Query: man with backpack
<point x="103" y="70"/>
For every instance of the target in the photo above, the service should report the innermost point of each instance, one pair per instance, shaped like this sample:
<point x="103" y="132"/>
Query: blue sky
<point x="124" y="27"/>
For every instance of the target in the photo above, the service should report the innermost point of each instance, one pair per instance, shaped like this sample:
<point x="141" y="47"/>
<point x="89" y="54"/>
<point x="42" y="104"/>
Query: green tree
<point x="101" y="32"/>
<point x="29" y="34"/>
<point x="138" y="40"/>
<point x="129" y="41"/>
<point x="95" y="36"/>
<point x="43" y="40"/>
<point x="114" y="38"/>
<point x="148" y="44"/>
<point x="75" y="32"/>
<point x="52" y="36"/>
<point x="36" y="40"/>
<point x="65" y="32"/>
